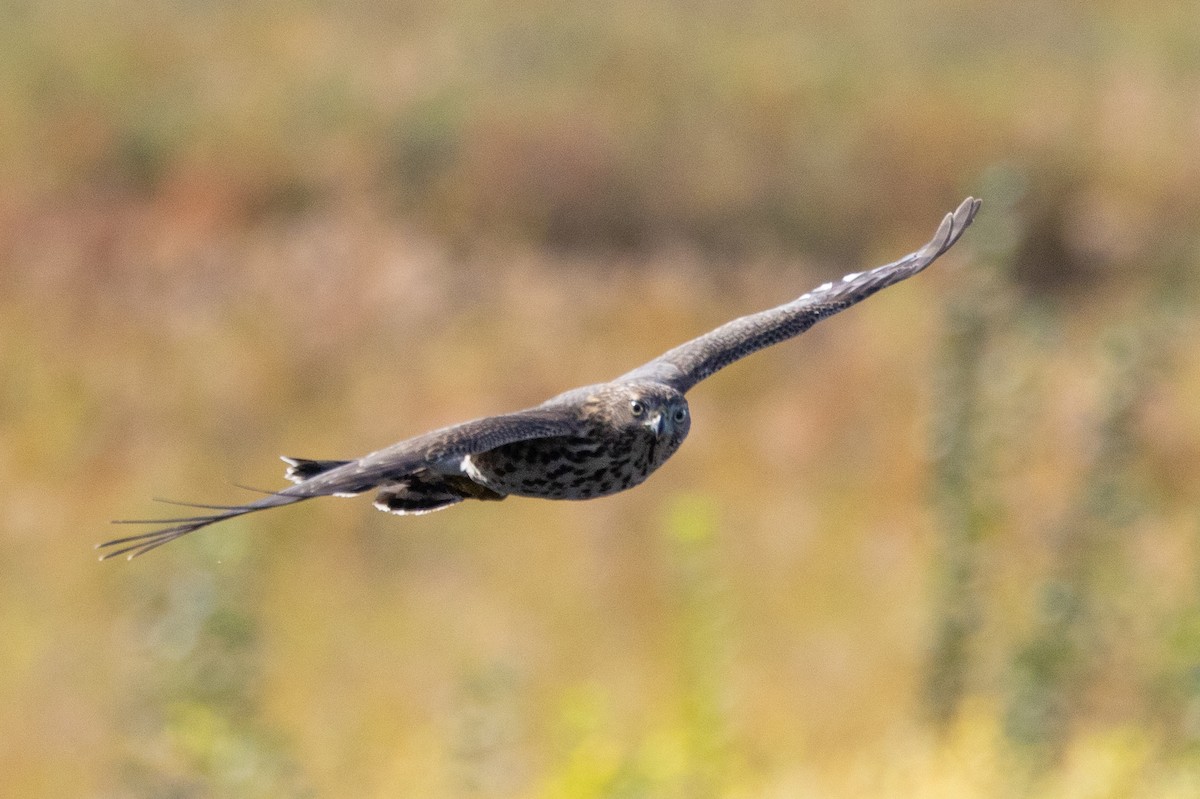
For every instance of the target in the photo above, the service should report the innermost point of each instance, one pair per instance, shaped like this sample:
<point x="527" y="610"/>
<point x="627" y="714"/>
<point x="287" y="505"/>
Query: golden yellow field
<point x="946" y="544"/>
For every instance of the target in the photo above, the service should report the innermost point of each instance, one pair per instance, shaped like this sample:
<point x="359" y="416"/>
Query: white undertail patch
<point x="401" y="512"/>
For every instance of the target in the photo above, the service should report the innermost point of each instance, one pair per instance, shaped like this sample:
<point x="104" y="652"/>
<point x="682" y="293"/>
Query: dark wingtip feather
<point x="950" y="230"/>
<point x="301" y="469"/>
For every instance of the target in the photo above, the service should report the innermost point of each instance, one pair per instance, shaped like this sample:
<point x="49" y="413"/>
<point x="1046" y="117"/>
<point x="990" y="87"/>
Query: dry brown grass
<point x="232" y="232"/>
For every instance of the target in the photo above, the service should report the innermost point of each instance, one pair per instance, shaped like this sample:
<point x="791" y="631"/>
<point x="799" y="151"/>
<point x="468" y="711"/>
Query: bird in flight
<point x="587" y="442"/>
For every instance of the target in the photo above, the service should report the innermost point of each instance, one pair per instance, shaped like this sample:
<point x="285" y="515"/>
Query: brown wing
<point x="688" y="364"/>
<point x="370" y="471"/>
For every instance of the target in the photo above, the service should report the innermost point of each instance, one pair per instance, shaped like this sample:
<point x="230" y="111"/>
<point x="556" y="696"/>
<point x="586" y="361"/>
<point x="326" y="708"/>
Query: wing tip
<point x="953" y="225"/>
<point x="964" y="215"/>
<point x="967" y="209"/>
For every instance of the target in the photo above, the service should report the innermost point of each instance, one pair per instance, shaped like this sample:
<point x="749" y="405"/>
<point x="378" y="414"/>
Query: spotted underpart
<point x="623" y="450"/>
<point x="570" y="468"/>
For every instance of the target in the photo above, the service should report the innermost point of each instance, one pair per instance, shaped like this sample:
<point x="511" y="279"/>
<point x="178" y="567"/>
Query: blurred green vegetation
<point x="947" y="544"/>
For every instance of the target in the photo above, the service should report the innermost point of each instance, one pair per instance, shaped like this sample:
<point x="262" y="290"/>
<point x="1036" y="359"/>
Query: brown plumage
<point x="588" y="442"/>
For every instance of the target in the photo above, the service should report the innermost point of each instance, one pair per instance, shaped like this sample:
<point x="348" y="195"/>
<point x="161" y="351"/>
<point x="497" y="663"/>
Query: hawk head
<point x="647" y="408"/>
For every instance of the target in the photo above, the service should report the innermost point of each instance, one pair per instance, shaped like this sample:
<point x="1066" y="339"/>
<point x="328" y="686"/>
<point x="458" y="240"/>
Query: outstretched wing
<point x="688" y="364"/>
<point x="434" y="450"/>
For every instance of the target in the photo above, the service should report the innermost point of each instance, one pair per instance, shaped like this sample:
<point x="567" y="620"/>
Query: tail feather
<point x="202" y="505"/>
<point x="140" y="544"/>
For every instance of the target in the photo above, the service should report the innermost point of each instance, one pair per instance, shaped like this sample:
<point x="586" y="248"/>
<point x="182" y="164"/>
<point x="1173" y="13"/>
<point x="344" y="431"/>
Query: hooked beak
<point x="655" y="423"/>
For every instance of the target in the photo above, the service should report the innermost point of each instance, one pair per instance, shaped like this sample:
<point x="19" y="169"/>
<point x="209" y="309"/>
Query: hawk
<point x="587" y="442"/>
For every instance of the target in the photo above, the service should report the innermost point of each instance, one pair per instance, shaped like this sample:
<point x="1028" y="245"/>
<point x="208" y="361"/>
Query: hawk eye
<point x="680" y="415"/>
<point x="637" y="408"/>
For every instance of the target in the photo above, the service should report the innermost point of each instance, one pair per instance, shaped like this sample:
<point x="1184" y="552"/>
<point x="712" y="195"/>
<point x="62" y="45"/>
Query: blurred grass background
<point x="945" y="545"/>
